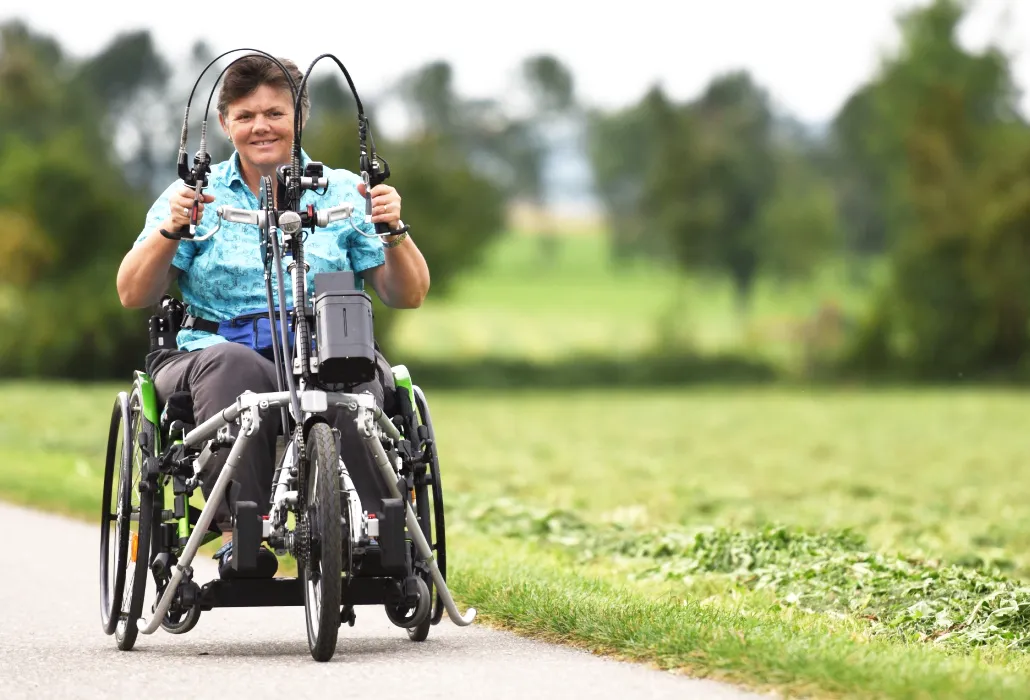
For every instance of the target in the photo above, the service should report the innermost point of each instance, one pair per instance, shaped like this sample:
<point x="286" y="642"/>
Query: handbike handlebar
<point x="324" y="217"/>
<point x="256" y="217"/>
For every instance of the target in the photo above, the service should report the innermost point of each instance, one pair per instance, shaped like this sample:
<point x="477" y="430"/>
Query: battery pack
<point x="344" y="334"/>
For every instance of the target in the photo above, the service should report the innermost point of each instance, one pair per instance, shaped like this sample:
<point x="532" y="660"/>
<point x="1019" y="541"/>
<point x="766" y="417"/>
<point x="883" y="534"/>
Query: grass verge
<point x="547" y="594"/>
<point x="900" y="597"/>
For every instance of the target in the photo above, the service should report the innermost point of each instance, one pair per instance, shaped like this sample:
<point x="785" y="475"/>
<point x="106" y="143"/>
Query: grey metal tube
<point x="209" y="428"/>
<point x="250" y="423"/>
<point x="386" y="424"/>
<point x="390" y="477"/>
<point x="279" y="381"/>
<point x="287" y="352"/>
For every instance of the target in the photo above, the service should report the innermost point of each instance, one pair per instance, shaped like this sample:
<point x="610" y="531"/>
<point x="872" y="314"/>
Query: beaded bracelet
<point x="403" y="230"/>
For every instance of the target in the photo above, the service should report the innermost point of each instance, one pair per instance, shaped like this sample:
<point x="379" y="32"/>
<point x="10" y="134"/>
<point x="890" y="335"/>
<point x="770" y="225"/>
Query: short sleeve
<point x="364" y="251"/>
<point x="159" y="212"/>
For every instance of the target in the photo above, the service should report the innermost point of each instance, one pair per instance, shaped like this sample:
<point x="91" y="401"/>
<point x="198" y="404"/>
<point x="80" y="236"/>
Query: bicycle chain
<point x="302" y="533"/>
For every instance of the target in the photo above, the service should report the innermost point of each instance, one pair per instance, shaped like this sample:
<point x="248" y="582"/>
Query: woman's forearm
<point x="403" y="281"/>
<point x="145" y="271"/>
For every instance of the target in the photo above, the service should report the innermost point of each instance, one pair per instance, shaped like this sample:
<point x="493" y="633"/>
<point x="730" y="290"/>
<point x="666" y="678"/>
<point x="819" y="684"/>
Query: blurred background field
<point x="547" y="300"/>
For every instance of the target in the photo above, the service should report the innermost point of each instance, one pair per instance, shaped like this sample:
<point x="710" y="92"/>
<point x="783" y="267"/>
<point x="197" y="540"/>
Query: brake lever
<point x="196" y="178"/>
<point x="372" y="174"/>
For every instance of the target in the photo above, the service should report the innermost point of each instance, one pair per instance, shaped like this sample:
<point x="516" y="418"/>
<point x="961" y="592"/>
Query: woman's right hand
<point x="180" y="205"/>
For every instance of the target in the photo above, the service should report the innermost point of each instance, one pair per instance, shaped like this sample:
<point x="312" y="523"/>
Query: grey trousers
<point x="215" y="376"/>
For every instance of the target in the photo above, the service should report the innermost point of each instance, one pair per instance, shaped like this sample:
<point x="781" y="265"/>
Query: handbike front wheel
<point x="114" y="516"/>
<point x="323" y="566"/>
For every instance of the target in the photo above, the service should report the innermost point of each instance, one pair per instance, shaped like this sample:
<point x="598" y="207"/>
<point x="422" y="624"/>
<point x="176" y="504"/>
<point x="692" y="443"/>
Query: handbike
<point x="348" y="553"/>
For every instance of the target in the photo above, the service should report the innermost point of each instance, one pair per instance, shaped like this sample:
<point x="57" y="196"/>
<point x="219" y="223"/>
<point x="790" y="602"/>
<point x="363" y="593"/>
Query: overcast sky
<point x="809" y="53"/>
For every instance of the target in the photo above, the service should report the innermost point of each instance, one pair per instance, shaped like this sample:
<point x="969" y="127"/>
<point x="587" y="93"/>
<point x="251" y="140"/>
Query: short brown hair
<point x="251" y="72"/>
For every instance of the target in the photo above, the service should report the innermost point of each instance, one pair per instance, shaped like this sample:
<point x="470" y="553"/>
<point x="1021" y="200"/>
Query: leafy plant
<point x="831" y="572"/>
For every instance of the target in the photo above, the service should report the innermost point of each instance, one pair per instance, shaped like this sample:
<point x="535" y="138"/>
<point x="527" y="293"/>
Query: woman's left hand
<point x="386" y="205"/>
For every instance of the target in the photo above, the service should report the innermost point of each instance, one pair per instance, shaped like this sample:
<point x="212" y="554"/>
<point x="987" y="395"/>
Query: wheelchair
<point x="349" y="553"/>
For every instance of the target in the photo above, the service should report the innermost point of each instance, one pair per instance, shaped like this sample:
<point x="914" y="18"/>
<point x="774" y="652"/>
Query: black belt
<point x="191" y="322"/>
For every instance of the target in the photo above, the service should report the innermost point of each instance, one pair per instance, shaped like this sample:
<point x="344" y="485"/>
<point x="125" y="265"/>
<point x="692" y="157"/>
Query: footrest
<point x="287" y="592"/>
<point x="246" y="536"/>
<point x="391" y="536"/>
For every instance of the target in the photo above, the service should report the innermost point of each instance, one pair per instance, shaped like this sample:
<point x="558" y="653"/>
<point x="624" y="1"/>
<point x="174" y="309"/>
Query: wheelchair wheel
<point x="321" y="528"/>
<point x="137" y="523"/>
<point x="437" y="540"/>
<point x="114" y="516"/>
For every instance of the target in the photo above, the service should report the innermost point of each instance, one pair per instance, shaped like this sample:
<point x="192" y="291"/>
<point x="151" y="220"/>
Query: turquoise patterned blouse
<point x="223" y="277"/>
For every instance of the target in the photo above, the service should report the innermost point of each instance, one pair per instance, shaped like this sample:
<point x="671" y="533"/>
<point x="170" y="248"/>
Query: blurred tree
<point x="621" y="147"/>
<point x="864" y="169"/>
<point x="719" y="184"/>
<point x="433" y="106"/>
<point x="69" y="213"/>
<point x="553" y="109"/>
<point x="120" y="71"/>
<point x="550" y="83"/>
<point x="34" y="102"/>
<point x="952" y="150"/>
<point x="508" y="150"/>
<point x="713" y="175"/>
<point x="128" y="79"/>
<point x="799" y="223"/>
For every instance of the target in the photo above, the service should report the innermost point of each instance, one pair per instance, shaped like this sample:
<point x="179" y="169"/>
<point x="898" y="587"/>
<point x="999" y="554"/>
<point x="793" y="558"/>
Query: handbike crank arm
<point x="383" y="462"/>
<point x="249" y="422"/>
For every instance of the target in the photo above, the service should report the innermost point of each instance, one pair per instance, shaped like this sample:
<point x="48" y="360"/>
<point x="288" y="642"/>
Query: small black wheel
<point x="322" y="569"/>
<point x="114" y="516"/>
<point x="179" y="622"/>
<point x="438" y="541"/>
<point x="411" y="615"/>
<point x="420" y="631"/>
<point x="139" y="523"/>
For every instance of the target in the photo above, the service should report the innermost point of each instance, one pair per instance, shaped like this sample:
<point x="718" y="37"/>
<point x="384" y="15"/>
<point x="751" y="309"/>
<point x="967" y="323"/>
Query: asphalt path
<point x="52" y="646"/>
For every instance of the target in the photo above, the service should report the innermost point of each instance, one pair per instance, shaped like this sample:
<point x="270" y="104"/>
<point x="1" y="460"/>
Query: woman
<point x="223" y="277"/>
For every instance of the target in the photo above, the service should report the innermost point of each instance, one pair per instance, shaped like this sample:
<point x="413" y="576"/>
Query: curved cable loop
<point x="380" y="236"/>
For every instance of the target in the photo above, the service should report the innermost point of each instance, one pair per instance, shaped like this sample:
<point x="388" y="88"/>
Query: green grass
<point x="53" y="439"/>
<point x="938" y="473"/>
<point x="932" y="484"/>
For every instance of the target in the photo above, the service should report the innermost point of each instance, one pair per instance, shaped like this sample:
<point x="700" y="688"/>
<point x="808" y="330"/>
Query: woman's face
<point x="261" y="126"/>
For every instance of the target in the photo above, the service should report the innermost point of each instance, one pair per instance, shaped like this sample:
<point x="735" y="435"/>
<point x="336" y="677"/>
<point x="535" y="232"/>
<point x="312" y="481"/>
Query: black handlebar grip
<point x="177" y="235"/>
